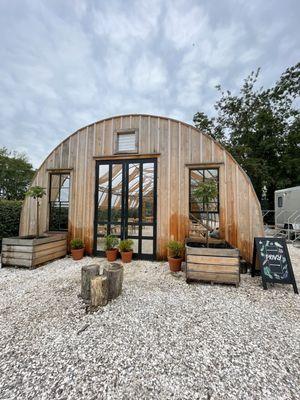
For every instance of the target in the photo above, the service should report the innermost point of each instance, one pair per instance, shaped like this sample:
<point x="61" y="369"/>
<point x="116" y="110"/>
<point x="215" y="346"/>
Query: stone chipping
<point x="161" y="339"/>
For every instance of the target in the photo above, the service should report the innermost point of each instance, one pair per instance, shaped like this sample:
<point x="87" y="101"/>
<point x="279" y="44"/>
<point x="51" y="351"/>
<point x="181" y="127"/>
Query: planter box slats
<point x="220" y="265"/>
<point x="53" y="256"/>
<point x="212" y="268"/>
<point x="16" y="262"/>
<point x="43" y="252"/>
<point x="213" y="277"/>
<point x="212" y="260"/>
<point x="30" y="253"/>
<point x="27" y="249"/>
<point x="23" y="241"/>
<point x="204" y="251"/>
<point x="16" y="254"/>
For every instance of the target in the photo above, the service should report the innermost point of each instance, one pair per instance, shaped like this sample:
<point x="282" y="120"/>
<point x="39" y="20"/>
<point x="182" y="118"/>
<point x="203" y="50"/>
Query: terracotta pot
<point x="126" y="256"/>
<point x="175" y="264"/>
<point x="111" y="254"/>
<point x="77" y="254"/>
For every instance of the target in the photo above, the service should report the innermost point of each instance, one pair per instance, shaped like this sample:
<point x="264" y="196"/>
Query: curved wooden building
<point x="133" y="175"/>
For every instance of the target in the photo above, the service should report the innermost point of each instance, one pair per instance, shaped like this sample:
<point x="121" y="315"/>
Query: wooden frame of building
<point x="145" y="193"/>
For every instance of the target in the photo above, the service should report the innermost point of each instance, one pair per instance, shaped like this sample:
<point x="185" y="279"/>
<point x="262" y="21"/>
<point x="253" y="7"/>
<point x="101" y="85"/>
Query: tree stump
<point x="114" y="274"/>
<point x="87" y="273"/>
<point x="99" y="291"/>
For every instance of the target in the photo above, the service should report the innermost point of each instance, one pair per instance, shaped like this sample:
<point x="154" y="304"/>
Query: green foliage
<point x="77" y="244"/>
<point x="110" y="242"/>
<point x="206" y="192"/>
<point x="261" y="129"/>
<point x="175" y="248"/>
<point x="10" y="211"/>
<point x="36" y="192"/>
<point x="16" y="174"/>
<point x="125" y="245"/>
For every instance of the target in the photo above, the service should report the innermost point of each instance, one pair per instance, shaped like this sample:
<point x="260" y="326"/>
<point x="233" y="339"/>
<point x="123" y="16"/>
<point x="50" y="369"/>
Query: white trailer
<point x="287" y="208"/>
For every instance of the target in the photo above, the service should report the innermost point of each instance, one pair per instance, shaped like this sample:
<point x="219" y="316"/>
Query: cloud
<point x="185" y="25"/>
<point x="117" y="23"/>
<point x="149" y="74"/>
<point x="67" y="64"/>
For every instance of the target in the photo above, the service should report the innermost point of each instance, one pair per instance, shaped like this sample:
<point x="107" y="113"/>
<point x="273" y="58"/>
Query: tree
<point x="36" y="192"/>
<point x="260" y="128"/>
<point x="205" y="193"/>
<point x="15" y="175"/>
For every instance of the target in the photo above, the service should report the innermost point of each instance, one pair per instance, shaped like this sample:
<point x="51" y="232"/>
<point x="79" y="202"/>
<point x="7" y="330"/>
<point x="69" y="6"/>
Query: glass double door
<point x="126" y="204"/>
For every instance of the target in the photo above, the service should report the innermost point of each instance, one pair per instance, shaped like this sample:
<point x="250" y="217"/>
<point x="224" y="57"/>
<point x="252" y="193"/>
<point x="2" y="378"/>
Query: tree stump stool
<point x="99" y="291"/>
<point x="87" y="273"/>
<point x="114" y="274"/>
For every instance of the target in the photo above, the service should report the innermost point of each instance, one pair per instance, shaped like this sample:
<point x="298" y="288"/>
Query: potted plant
<point x="125" y="247"/>
<point x="175" y="257"/>
<point x="77" y="249"/>
<point x="205" y="193"/>
<point x="110" y="246"/>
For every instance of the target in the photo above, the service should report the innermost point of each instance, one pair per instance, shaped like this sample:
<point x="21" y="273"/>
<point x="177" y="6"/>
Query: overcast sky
<point x="67" y="63"/>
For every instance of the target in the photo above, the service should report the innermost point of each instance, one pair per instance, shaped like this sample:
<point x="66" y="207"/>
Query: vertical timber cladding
<point x="176" y="146"/>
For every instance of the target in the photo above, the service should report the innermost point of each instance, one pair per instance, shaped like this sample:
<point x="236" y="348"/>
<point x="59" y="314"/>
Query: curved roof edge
<point x="153" y="116"/>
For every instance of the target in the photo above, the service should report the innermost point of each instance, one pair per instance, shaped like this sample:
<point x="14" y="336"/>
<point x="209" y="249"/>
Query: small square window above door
<point x="126" y="141"/>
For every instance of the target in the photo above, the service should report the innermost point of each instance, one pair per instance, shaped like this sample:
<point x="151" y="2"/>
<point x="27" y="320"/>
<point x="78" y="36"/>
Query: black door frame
<point x="124" y="213"/>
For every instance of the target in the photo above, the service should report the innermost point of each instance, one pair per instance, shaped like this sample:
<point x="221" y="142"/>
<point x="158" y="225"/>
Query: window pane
<point x="115" y="230"/>
<point x="116" y="192"/>
<point x="197" y="176"/>
<point x="59" y="202"/>
<point x="103" y="192"/>
<point x="133" y="193"/>
<point x="54" y="217"/>
<point x="133" y="230"/>
<point x="64" y="194"/>
<point x="55" y="186"/>
<point x="147" y="246"/>
<point x="210" y="174"/>
<point x="64" y="212"/>
<point x="198" y="210"/>
<point x="135" y="246"/>
<point x="147" y="230"/>
<point x="126" y="142"/>
<point x="65" y="181"/>
<point x="102" y="230"/>
<point x="100" y="244"/>
<point x="148" y="192"/>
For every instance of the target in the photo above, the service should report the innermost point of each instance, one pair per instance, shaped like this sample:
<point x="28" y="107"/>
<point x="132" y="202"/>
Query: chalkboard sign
<point x="274" y="260"/>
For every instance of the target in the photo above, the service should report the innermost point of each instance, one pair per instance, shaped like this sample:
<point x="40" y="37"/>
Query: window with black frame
<point x="59" y="192"/>
<point x="198" y="210"/>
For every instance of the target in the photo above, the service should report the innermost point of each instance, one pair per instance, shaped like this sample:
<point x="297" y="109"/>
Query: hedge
<point x="10" y="211"/>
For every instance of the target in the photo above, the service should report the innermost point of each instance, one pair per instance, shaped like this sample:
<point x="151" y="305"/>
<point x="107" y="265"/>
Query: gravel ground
<point x="162" y="339"/>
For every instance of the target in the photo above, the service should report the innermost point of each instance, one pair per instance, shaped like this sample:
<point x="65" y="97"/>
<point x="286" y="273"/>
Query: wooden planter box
<point x="213" y="264"/>
<point x="29" y="252"/>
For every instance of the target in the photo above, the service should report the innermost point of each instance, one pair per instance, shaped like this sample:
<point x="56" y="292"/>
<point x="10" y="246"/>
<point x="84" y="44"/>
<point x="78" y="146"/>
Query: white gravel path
<point x="162" y="339"/>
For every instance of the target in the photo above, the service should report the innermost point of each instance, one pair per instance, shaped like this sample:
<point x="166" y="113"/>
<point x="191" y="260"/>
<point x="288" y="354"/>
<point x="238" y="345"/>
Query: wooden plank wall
<point x="177" y="145"/>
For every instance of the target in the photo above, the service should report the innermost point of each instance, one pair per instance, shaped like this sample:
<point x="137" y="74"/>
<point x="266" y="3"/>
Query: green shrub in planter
<point x="175" y="248"/>
<point x="110" y="242"/>
<point x="77" y="244"/>
<point x="125" y="245"/>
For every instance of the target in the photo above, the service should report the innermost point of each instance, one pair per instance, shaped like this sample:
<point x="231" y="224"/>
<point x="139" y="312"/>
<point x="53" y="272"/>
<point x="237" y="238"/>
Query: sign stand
<point x="274" y="260"/>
